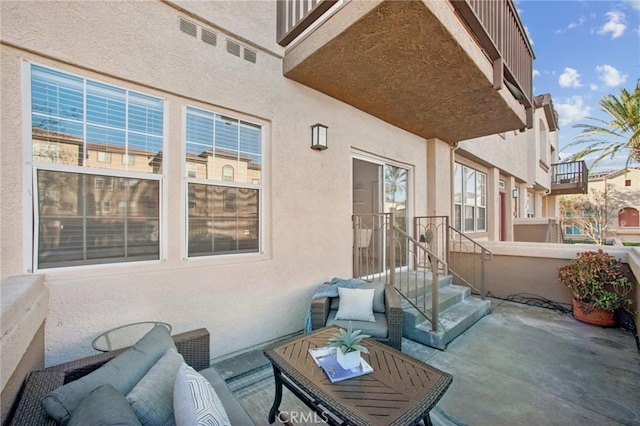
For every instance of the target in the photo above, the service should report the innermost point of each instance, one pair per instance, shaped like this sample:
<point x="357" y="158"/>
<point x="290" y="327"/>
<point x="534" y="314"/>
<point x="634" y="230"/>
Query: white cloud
<point x="536" y="73"/>
<point x="610" y="76"/>
<point x="615" y="25"/>
<point x="528" y="33"/>
<point x="572" y="110"/>
<point x="569" y="78"/>
<point x="581" y="21"/>
<point x="573" y="25"/>
<point x="593" y="87"/>
<point x="635" y="4"/>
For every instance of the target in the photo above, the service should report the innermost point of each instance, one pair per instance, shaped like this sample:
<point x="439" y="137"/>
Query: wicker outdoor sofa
<point x="192" y="345"/>
<point x="323" y="310"/>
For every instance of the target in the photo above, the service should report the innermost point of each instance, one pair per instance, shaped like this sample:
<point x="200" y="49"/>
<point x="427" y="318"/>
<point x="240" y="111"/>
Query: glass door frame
<point x="382" y="163"/>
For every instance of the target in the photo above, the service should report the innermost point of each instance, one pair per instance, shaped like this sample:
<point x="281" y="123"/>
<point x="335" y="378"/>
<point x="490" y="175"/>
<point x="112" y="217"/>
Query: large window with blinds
<point x="469" y="199"/>
<point x="97" y="161"/>
<point x="223" y="157"/>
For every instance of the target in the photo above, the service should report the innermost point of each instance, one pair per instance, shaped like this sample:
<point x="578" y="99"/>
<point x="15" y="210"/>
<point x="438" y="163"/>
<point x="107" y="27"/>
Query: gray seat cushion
<point x="378" y="329"/>
<point x="122" y="372"/>
<point x="236" y="413"/>
<point x="104" y="406"/>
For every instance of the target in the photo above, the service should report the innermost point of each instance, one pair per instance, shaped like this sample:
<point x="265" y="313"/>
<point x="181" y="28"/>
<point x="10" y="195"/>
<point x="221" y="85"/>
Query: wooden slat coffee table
<point x="400" y="391"/>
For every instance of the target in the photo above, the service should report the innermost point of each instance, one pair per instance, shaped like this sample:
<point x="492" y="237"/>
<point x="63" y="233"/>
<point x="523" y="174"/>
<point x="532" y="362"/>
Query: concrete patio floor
<point x="524" y="365"/>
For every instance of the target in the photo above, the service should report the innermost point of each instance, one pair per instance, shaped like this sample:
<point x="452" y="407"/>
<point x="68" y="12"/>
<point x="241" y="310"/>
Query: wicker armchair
<point x="321" y="307"/>
<point x="193" y="345"/>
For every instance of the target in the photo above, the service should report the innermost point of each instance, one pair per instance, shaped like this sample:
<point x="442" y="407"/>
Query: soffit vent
<point x="250" y="55"/>
<point x="233" y="48"/>
<point x="188" y="27"/>
<point x="208" y="37"/>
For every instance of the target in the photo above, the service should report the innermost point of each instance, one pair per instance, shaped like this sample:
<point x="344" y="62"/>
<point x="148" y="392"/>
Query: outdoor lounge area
<point x="208" y="165"/>
<point x="519" y="365"/>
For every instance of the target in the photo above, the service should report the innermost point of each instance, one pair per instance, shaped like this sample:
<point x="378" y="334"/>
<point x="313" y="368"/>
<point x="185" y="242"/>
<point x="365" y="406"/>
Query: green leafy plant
<point x="598" y="280"/>
<point x="348" y="341"/>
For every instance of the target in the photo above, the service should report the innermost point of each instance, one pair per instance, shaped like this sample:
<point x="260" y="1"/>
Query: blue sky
<point x="584" y="50"/>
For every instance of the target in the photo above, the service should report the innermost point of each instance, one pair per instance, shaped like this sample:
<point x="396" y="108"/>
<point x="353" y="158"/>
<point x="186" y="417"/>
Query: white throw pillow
<point x="356" y="304"/>
<point x="195" y="402"/>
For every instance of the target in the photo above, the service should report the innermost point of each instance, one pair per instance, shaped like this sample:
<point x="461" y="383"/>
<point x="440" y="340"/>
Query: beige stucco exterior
<point x="522" y="161"/>
<point x="622" y="189"/>
<point x="248" y="299"/>
<point x="242" y="299"/>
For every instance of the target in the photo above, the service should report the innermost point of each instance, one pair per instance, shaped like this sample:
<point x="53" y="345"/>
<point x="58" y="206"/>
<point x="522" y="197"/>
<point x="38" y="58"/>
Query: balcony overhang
<point x="568" y="188"/>
<point x="412" y="64"/>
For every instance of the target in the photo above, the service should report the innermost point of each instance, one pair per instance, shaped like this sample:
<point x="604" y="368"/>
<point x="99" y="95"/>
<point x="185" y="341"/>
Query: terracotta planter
<point x="594" y="316"/>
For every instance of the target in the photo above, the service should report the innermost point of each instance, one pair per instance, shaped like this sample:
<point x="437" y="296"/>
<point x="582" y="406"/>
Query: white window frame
<point x="31" y="168"/>
<point x="104" y="157"/>
<point x="260" y="185"/>
<point x="479" y="199"/>
<point x="128" y="159"/>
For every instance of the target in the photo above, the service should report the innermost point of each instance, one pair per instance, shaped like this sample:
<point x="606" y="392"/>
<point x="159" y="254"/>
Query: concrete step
<point x="448" y="296"/>
<point x="452" y="322"/>
<point x="413" y="284"/>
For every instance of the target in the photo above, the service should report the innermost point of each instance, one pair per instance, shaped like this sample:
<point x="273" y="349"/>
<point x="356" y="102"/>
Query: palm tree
<point x="608" y="138"/>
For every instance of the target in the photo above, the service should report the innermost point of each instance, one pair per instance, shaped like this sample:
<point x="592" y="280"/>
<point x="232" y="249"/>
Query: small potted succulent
<point x="600" y="285"/>
<point x="348" y="347"/>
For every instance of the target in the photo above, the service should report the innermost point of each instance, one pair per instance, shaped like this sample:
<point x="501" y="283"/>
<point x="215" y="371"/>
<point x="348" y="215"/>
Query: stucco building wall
<point x="242" y="299"/>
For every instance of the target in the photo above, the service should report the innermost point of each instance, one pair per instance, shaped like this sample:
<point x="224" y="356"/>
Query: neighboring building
<point x="518" y="168"/>
<point x="156" y="160"/>
<point x="612" y="205"/>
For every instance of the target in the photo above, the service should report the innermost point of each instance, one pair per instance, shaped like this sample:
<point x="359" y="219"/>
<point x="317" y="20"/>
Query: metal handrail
<point x="448" y="242"/>
<point x="375" y="258"/>
<point x="486" y="254"/>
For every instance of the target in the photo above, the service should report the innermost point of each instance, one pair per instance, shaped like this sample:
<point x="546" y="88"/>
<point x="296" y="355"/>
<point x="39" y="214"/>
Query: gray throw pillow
<point x="104" y="406"/>
<point x="378" y="297"/>
<point x="152" y="398"/>
<point x="122" y="372"/>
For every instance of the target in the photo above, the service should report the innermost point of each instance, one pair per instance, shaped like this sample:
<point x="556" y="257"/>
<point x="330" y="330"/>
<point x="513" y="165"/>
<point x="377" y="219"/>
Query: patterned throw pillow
<point x="195" y="402"/>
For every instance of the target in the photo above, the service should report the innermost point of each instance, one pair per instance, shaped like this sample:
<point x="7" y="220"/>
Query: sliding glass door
<point x="378" y="188"/>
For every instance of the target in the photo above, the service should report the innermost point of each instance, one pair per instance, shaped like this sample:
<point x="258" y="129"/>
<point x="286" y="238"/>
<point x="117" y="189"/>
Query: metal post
<point x="483" y="279"/>
<point x="391" y="248"/>
<point x="434" y="294"/>
<point x="447" y="252"/>
<point x="356" y="251"/>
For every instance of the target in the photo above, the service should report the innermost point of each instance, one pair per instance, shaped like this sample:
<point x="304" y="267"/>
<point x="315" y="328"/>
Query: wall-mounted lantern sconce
<point x="319" y="137"/>
<point x="515" y="193"/>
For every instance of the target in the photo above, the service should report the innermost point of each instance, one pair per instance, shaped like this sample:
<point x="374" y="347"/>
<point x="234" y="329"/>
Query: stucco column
<point x="439" y="184"/>
<point x="493" y="204"/>
<point x="511" y="208"/>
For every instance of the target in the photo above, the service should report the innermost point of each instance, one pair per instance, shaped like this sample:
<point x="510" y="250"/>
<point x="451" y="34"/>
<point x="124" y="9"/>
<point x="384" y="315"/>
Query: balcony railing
<point x="494" y="24"/>
<point x="569" y="178"/>
<point x="497" y="27"/>
<point x="295" y="16"/>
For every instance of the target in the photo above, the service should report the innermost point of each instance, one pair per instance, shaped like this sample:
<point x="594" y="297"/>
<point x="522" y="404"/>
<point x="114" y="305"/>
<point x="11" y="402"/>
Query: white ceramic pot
<point x="349" y="360"/>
